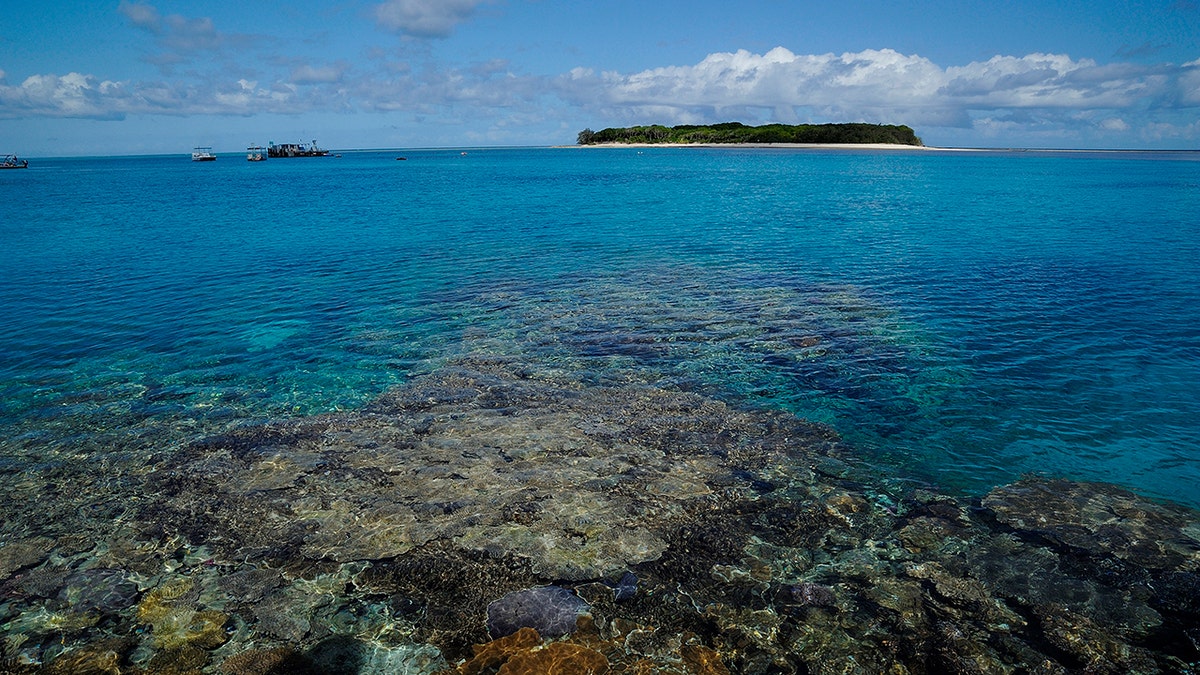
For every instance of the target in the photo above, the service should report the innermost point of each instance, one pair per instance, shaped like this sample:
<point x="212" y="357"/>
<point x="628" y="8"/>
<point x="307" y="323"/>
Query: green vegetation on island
<point x="736" y="132"/>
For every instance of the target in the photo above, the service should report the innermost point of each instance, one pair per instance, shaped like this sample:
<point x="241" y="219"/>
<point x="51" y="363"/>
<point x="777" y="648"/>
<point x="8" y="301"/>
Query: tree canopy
<point x="736" y="132"/>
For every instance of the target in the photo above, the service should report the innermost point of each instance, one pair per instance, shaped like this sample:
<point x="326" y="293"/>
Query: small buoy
<point x="398" y="159"/>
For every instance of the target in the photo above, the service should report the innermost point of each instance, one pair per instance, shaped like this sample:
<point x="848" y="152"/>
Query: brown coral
<point x="701" y="660"/>
<point x="556" y="658"/>
<point x="523" y="653"/>
<point x="497" y="652"/>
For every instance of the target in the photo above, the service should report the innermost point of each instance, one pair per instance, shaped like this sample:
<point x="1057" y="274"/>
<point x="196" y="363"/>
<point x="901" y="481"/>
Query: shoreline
<point x="784" y="146"/>
<point x="884" y="146"/>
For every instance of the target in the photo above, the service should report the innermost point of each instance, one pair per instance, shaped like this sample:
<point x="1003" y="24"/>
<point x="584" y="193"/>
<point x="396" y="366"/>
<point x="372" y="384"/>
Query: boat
<point x="13" y="162"/>
<point x="300" y="149"/>
<point x="254" y="153"/>
<point x="203" y="154"/>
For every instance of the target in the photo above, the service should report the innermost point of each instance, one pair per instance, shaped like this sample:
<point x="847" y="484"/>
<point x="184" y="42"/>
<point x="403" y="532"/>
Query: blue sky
<point x="128" y="77"/>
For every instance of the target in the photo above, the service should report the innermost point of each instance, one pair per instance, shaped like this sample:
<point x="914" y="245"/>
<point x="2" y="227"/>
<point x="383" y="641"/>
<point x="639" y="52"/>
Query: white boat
<point x="203" y="154"/>
<point x="255" y="153"/>
<point x="13" y="162"/>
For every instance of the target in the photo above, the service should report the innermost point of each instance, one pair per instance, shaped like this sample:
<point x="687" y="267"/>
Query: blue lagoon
<point x="724" y="410"/>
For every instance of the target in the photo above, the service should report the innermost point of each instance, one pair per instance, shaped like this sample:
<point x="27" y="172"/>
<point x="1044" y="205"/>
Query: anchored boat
<point x="13" y="162"/>
<point x="203" y="154"/>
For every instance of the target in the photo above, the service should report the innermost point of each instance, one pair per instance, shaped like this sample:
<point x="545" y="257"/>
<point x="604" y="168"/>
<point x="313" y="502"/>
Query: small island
<point x="736" y="132"/>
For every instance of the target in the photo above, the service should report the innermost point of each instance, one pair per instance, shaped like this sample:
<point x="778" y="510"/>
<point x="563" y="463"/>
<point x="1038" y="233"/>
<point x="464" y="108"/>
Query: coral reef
<point x="493" y="518"/>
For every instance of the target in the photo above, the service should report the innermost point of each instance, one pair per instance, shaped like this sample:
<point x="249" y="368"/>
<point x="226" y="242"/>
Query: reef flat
<point x="686" y="535"/>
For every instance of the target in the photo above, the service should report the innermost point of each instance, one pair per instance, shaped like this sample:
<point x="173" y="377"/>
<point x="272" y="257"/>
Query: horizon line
<point x="765" y="146"/>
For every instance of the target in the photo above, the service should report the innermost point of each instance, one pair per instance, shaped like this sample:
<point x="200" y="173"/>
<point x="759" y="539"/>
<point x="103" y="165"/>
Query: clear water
<point x="960" y="318"/>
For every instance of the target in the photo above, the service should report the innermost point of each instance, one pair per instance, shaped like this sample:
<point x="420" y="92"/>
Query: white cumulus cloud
<point x="76" y="95"/>
<point x="70" y="95"/>
<point x="878" y="86"/>
<point x="1036" y="96"/>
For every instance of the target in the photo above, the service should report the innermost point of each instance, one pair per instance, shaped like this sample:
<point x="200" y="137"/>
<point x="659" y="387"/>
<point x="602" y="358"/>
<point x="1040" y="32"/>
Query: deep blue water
<point x="961" y="318"/>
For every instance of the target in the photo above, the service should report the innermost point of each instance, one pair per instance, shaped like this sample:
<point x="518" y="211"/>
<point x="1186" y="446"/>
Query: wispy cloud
<point x="425" y="18"/>
<point x="323" y="74"/>
<point x="181" y="39"/>
<point x="142" y="15"/>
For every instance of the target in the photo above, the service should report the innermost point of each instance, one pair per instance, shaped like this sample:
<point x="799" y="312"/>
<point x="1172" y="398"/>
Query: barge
<point x="295" y="150"/>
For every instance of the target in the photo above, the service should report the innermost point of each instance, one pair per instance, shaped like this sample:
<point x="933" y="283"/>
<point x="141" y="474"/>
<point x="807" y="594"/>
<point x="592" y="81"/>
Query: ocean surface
<point x="959" y="319"/>
<point x="970" y="317"/>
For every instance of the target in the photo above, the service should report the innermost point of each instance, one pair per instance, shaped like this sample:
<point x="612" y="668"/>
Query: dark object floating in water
<point x="550" y="610"/>
<point x="400" y="159"/>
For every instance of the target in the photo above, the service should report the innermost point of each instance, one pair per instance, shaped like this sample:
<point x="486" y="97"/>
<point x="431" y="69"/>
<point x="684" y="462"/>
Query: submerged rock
<point x="550" y="610"/>
<point x="583" y="482"/>
<point x="104" y="590"/>
<point x="266" y="662"/>
<point x="1100" y="520"/>
<point x="464" y="507"/>
<point x="101" y="657"/>
<point x="344" y="654"/>
<point x="18" y="553"/>
<point x="626" y="587"/>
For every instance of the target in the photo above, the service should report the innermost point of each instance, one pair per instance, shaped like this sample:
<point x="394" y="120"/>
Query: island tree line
<point x="736" y="132"/>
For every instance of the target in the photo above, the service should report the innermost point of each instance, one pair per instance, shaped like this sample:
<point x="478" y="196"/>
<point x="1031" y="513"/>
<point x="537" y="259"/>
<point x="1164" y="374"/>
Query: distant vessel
<point x="13" y="162"/>
<point x="203" y="154"/>
<point x="295" y="150"/>
<point x="254" y="153"/>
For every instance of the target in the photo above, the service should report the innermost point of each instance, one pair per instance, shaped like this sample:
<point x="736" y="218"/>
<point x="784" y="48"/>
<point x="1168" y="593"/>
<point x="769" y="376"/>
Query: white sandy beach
<point x="800" y="146"/>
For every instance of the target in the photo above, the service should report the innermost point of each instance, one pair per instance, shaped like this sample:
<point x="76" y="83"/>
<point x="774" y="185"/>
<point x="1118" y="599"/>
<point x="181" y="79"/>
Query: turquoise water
<point x="960" y="318"/>
<point x="750" y="409"/>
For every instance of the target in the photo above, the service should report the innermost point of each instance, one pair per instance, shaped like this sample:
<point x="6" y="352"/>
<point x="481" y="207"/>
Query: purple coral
<point x="550" y="610"/>
<point x="814" y="595"/>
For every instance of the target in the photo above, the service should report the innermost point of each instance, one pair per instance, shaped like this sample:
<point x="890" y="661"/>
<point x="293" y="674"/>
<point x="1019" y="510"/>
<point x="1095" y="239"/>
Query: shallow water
<point x="978" y="315"/>
<point x="951" y="321"/>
